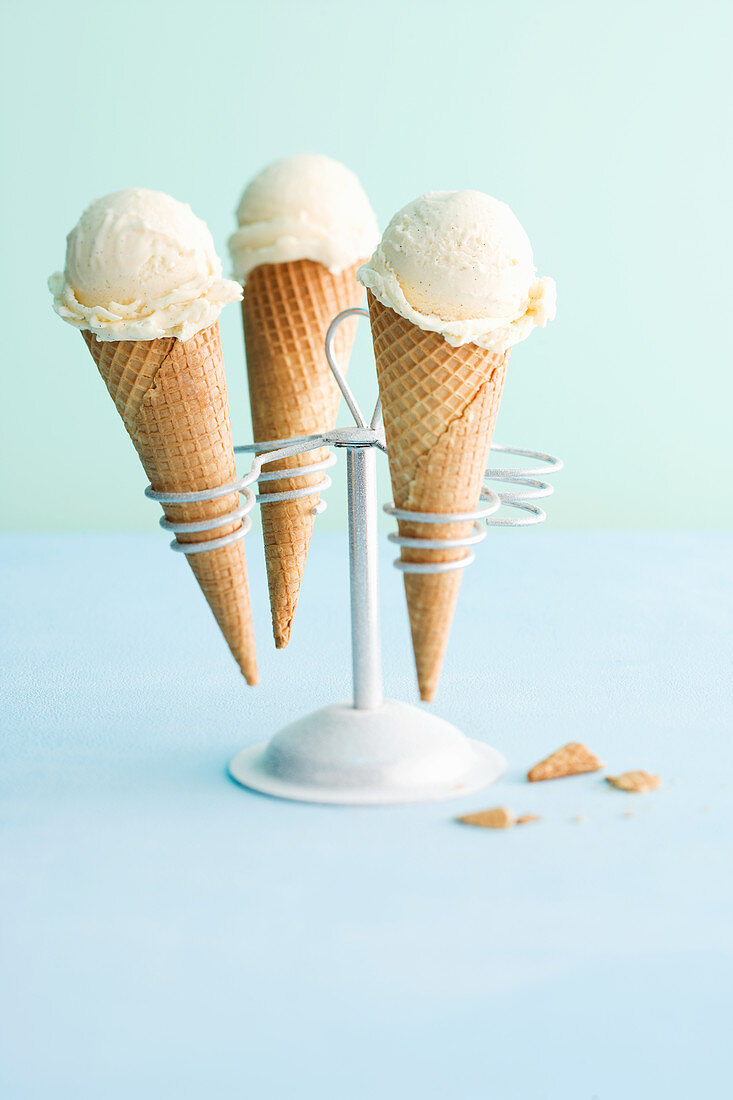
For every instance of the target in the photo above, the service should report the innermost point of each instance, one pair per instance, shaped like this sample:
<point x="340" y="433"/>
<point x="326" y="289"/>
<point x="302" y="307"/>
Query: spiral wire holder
<point x="242" y="487"/>
<point x="297" y="445"/>
<point x="479" y="534"/>
<point x="270" y="452"/>
<point x="372" y="750"/>
<point x="493" y="501"/>
<point x="526" y="476"/>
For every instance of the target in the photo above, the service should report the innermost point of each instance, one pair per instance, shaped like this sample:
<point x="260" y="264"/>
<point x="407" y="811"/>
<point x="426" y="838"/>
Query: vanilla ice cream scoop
<point x="459" y="263"/>
<point x="140" y="265"/>
<point x="306" y="207"/>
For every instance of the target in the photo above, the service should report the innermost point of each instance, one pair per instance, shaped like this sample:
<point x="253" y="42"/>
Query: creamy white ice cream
<point x="306" y="207"/>
<point x="140" y="265"/>
<point x="459" y="263"/>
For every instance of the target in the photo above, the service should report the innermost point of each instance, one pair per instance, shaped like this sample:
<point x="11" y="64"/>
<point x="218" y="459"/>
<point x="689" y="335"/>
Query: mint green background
<point x="603" y="126"/>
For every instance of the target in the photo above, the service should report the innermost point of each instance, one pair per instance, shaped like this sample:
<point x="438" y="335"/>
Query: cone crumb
<point x="580" y="819"/>
<point x="498" y="818"/>
<point x="525" y="819"/>
<point x="571" y="759"/>
<point x="636" y="782"/>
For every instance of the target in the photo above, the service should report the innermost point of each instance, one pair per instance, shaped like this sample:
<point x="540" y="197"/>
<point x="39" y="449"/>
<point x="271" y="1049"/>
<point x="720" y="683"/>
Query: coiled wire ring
<point x="492" y="505"/>
<point x="189" y="527"/>
<point x="482" y="518"/>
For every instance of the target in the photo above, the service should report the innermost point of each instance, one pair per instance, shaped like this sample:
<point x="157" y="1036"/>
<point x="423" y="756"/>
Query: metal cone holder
<point x="373" y="750"/>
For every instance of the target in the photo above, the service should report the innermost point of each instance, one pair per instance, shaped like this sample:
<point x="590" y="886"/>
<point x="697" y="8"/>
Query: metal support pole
<point x="362" y="504"/>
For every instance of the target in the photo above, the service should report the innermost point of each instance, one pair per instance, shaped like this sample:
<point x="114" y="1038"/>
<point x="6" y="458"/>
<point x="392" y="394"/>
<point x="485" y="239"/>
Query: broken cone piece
<point x="498" y="818"/>
<point x="637" y="782"/>
<point x="571" y="759"/>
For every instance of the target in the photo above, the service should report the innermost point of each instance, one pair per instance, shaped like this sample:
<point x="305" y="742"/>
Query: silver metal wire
<point x="274" y="449"/>
<point x="181" y="527"/>
<point x="271" y="451"/>
<point x="492" y="505"/>
<point x="205" y="494"/>
<point x="355" y="311"/>
<point x="204" y="524"/>
<point x="523" y="476"/>
<point x="550" y="464"/>
<point x="534" y="489"/>
<point x="213" y="544"/>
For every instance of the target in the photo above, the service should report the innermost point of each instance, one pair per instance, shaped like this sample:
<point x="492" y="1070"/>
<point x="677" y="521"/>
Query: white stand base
<point x="392" y="754"/>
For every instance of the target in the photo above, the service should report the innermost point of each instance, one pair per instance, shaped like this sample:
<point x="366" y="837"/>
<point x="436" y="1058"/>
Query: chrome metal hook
<point x="376" y="421"/>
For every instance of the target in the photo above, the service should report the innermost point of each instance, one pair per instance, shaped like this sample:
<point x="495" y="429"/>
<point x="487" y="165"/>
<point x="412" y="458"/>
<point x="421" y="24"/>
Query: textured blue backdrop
<point x="167" y="935"/>
<point x="604" y="127"/>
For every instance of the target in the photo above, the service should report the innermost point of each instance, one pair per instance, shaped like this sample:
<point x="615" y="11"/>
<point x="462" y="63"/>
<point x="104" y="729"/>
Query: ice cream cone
<point x="440" y="405"/>
<point x="287" y="308"/>
<point x="172" y="397"/>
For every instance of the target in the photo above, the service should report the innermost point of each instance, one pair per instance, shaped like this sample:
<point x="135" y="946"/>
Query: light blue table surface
<point x="166" y="934"/>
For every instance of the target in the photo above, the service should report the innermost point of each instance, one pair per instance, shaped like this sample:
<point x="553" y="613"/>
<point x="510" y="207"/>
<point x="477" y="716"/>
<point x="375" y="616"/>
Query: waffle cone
<point x="440" y="405"/>
<point x="287" y="308"/>
<point x="172" y="397"/>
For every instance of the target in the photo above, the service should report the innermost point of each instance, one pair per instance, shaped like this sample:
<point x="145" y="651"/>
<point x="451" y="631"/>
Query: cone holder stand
<point x="371" y="751"/>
